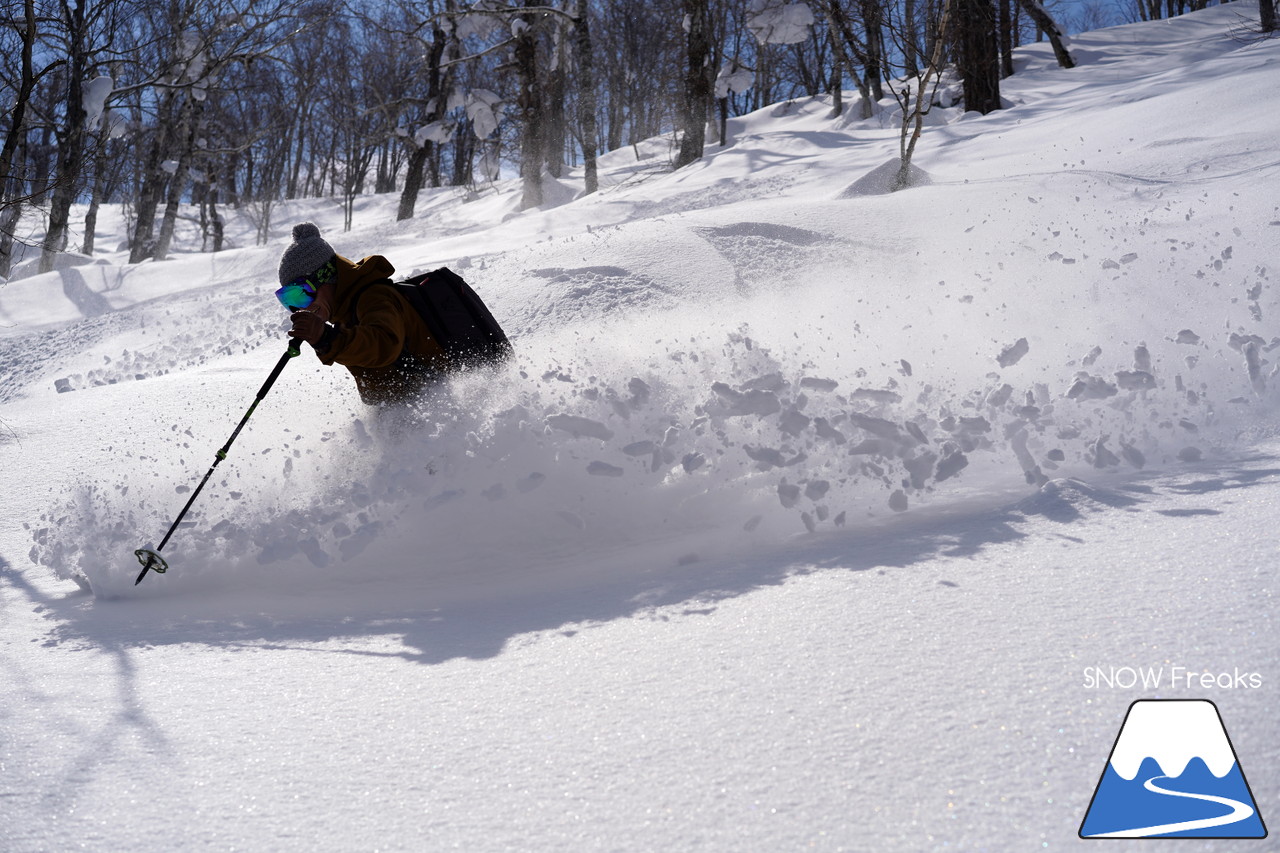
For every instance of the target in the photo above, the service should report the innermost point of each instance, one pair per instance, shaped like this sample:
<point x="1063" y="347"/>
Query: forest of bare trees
<point x="185" y="108"/>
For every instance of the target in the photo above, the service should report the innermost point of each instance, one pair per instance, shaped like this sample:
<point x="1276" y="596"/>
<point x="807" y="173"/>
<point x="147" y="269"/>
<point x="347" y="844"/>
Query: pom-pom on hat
<point x="308" y="253"/>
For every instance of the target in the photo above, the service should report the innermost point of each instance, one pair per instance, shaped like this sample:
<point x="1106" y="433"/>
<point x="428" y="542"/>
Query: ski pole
<point x="150" y="558"/>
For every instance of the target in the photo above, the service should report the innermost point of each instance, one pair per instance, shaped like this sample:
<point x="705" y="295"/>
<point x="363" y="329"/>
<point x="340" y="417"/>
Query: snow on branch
<point x="734" y="78"/>
<point x="779" y="22"/>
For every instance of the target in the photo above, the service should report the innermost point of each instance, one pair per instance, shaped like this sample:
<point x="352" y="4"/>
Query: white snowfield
<point x="805" y="519"/>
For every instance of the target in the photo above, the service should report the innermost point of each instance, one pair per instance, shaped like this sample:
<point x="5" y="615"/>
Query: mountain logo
<point x="1173" y="773"/>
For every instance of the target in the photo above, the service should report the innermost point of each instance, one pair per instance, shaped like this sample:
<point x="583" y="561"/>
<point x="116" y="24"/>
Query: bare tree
<point x="426" y="143"/>
<point x="585" y="55"/>
<point x="697" y="82"/>
<point x="14" y="192"/>
<point x="917" y="104"/>
<point x="27" y="32"/>
<point x="71" y="135"/>
<point x="529" y="104"/>
<point x="849" y="48"/>
<point x="195" y="48"/>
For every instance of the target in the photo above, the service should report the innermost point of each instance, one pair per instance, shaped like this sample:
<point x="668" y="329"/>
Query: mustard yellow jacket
<point x="378" y="336"/>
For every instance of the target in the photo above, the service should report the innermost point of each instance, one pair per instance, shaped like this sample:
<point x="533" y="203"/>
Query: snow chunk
<point x="1088" y="387"/>
<point x="1013" y="353"/>
<point x="1101" y="456"/>
<point x="579" y="426"/>
<point x="640" y="448"/>
<point x="754" y="402"/>
<point x="876" y="426"/>
<point x="952" y="464"/>
<point x="1254" y="362"/>
<point x="876" y="395"/>
<point x="1135" y="380"/>
<point x="815" y="383"/>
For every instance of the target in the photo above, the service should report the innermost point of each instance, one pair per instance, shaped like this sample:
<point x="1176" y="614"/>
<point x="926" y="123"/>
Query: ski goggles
<point x="301" y="292"/>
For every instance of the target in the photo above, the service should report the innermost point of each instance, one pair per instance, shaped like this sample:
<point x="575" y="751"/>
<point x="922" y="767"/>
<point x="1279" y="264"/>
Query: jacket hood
<point x="354" y="276"/>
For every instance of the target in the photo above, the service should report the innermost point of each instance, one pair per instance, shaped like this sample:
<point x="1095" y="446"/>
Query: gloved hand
<point x="309" y="326"/>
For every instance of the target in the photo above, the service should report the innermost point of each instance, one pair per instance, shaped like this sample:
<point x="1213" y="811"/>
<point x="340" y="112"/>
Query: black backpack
<point x="456" y="318"/>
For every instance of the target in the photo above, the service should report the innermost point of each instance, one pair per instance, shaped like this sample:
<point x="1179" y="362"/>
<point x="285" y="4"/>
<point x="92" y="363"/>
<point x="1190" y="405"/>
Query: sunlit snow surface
<point x="1029" y="405"/>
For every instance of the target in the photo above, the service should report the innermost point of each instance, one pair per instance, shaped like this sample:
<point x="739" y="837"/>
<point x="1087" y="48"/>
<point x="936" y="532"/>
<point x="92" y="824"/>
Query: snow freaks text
<point x="1168" y="677"/>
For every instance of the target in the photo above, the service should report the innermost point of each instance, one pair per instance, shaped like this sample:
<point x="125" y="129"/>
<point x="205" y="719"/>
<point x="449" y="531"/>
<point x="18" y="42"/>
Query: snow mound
<point x="883" y="180"/>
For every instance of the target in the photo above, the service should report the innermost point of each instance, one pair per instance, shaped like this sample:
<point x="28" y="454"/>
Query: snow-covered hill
<point x="797" y="522"/>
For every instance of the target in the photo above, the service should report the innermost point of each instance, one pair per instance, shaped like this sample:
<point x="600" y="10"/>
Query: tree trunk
<point x="217" y="223"/>
<point x="429" y="152"/>
<point x="913" y="120"/>
<point x="71" y="141"/>
<point x="529" y="104"/>
<point x="873" y="17"/>
<point x="836" y="86"/>
<point x="154" y="181"/>
<point x="413" y="181"/>
<point x="911" y="39"/>
<point x="464" y="140"/>
<point x="10" y="187"/>
<point x="291" y="190"/>
<point x="1049" y="26"/>
<point x="616" y="114"/>
<point x="1006" y="38"/>
<point x="586" y="94"/>
<point x="979" y="55"/>
<point x="697" y="83"/>
<point x="18" y="113"/>
<point x="178" y="182"/>
<point x="1268" y="15"/>
<point x="99" y="192"/>
<point x="8" y="222"/>
<point x="555" y="125"/>
<point x="844" y="41"/>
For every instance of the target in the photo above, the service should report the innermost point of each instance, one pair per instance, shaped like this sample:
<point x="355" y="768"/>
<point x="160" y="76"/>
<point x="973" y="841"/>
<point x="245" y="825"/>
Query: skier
<point x="372" y="331"/>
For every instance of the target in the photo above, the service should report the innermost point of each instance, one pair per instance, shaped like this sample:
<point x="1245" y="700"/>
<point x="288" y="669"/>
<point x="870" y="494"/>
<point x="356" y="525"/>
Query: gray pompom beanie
<point x="308" y="253"/>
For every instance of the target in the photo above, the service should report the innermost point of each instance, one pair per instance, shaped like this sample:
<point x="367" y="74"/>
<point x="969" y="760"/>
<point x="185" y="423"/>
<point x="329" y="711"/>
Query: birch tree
<point x="916" y="98"/>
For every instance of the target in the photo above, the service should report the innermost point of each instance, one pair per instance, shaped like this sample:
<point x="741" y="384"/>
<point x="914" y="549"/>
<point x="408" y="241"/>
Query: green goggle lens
<point x="301" y="292"/>
<point x="296" y="296"/>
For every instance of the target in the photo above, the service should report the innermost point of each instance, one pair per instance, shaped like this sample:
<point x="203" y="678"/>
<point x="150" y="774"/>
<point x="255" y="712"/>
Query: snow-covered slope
<point x="797" y="521"/>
